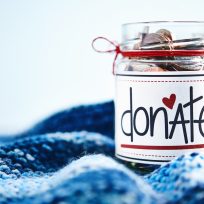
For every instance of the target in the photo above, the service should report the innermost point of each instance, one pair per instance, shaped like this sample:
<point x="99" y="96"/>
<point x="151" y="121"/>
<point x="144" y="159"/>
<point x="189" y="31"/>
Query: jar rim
<point x="162" y="22"/>
<point x="167" y="35"/>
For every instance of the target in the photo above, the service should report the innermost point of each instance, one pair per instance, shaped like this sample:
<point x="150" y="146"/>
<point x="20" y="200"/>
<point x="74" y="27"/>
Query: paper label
<point x="159" y="116"/>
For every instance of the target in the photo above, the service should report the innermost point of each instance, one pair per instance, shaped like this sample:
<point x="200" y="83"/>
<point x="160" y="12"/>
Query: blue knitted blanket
<point x="69" y="159"/>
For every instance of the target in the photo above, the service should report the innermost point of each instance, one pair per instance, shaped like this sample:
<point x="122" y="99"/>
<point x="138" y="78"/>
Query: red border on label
<point x="197" y="146"/>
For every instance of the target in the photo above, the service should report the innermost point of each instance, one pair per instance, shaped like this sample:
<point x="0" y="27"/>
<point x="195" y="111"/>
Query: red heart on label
<point x="169" y="102"/>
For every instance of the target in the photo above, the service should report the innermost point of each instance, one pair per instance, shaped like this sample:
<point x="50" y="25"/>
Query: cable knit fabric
<point x="68" y="158"/>
<point x="92" y="118"/>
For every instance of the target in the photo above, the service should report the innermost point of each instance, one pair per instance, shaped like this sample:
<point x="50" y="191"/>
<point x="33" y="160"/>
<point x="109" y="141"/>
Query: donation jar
<point x="159" y="102"/>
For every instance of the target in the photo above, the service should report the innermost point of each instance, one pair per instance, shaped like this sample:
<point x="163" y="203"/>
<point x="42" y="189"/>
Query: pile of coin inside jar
<point x="163" y="40"/>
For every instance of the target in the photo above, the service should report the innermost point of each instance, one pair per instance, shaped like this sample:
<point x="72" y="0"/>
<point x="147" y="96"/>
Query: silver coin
<point x="189" y="44"/>
<point x="188" y="63"/>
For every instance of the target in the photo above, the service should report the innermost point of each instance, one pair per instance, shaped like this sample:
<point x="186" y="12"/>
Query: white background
<point x="46" y="60"/>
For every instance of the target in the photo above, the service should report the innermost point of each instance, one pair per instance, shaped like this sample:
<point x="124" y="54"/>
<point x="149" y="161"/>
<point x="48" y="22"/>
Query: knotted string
<point x="143" y="53"/>
<point x="116" y="49"/>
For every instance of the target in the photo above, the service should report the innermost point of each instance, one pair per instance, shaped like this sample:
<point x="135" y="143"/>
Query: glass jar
<point x="159" y="102"/>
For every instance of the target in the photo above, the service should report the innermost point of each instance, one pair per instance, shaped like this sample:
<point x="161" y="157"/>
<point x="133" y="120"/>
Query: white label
<point x="159" y="116"/>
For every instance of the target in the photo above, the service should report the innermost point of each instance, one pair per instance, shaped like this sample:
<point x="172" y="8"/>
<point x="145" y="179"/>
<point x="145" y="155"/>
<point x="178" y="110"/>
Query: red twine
<point x="144" y="53"/>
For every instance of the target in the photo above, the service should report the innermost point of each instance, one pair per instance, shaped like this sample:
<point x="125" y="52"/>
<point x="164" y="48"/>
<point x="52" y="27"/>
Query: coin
<point x="141" y="35"/>
<point x="188" y="63"/>
<point x="189" y="44"/>
<point x="156" y="41"/>
<point x="163" y="40"/>
<point x="155" y="69"/>
<point x="165" y="33"/>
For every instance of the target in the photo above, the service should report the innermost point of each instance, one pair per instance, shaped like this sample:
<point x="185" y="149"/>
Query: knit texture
<point x="68" y="158"/>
